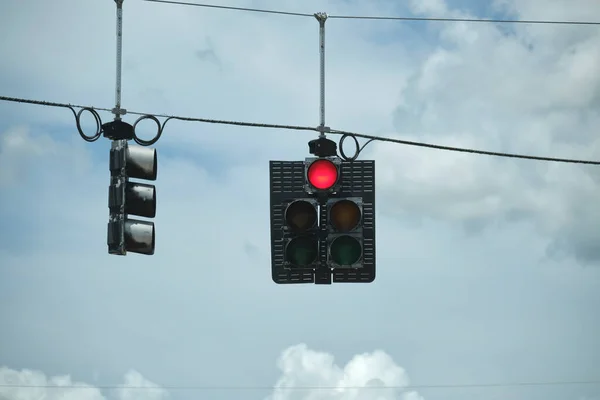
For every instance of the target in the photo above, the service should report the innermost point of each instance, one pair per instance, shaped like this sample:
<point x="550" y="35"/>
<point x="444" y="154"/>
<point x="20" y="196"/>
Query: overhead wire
<point x="191" y="119"/>
<point x="344" y="134"/>
<point x="407" y="387"/>
<point x="462" y="149"/>
<point x="258" y="10"/>
<point x="483" y="20"/>
<point x="371" y="17"/>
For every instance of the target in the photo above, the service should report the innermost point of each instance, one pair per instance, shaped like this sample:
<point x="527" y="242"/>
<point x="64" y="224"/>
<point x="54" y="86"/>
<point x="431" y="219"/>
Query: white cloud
<point x="29" y="384"/>
<point x="432" y="7"/>
<point x="305" y="375"/>
<point x="531" y="91"/>
<point x="313" y="375"/>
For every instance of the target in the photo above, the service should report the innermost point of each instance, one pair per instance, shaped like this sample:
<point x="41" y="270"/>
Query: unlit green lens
<point x="301" y="251"/>
<point x="345" y="250"/>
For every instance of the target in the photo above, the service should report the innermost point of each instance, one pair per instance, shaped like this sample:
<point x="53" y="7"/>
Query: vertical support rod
<point x="118" y="160"/>
<point x="322" y="17"/>
<point x="117" y="110"/>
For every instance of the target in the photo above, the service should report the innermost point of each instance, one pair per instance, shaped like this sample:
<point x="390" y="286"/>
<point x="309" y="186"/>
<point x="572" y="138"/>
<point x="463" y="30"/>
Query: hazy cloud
<point x="305" y="375"/>
<point x="35" y="385"/>
<point x="367" y="376"/>
<point x="530" y="92"/>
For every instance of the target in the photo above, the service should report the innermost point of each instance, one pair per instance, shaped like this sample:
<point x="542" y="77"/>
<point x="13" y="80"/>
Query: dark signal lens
<point x="301" y="216"/>
<point x="344" y="215"/>
<point x="345" y="250"/>
<point x="302" y="251"/>
<point x="322" y="174"/>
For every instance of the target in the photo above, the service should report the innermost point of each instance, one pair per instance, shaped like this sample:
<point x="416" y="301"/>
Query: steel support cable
<point x="143" y="116"/>
<point x="369" y="17"/>
<point x="71" y="107"/>
<point x="482" y="20"/>
<point x="344" y="134"/>
<point x="354" y="135"/>
<point x="258" y="10"/>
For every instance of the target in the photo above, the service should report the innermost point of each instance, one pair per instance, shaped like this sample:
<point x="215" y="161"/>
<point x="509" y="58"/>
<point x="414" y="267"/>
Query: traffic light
<point x="301" y="231"/>
<point x="294" y="227"/>
<point x="345" y="235"/>
<point x="350" y="224"/>
<point x="126" y="197"/>
<point x="322" y="221"/>
<point x="322" y="175"/>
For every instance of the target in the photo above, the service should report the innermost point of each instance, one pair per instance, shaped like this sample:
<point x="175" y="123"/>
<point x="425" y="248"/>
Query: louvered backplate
<point x="323" y="273"/>
<point x="358" y="180"/>
<point x="287" y="181"/>
<point x="287" y="184"/>
<point x="287" y="178"/>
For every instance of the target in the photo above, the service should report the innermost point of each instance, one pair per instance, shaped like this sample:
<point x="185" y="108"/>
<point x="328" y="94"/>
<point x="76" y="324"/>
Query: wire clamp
<point x="118" y="111"/>
<point x="320" y="16"/>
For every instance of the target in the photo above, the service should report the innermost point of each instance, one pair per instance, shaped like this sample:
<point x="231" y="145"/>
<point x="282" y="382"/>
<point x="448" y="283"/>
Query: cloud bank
<point x="305" y="375"/>
<point x="42" y="387"/>
<point x="518" y="89"/>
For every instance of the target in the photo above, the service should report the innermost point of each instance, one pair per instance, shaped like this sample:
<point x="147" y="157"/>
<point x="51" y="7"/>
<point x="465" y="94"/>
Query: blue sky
<point x="488" y="269"/>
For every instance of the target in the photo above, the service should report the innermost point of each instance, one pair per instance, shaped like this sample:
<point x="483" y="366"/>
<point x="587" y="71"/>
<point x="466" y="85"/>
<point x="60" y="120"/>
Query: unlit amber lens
<point x="345" y="215"/>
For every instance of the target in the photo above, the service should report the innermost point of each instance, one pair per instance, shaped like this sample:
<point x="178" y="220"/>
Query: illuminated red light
<point x="322" y="174"/>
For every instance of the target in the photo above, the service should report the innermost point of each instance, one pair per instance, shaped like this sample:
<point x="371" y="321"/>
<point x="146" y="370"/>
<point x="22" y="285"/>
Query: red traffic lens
<point x="322" y="174"/>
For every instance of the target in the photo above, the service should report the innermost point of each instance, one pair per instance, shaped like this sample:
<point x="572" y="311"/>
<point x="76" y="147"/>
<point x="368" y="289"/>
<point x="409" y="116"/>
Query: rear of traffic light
<point x="126" y="197"/>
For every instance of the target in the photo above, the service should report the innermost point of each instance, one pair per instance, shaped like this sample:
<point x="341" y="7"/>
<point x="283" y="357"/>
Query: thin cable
<point x="484" y="20"/>
<point x="463" y="150"/>
<point x="205" y="120"/>
<point x="49" y="103"/>
<point x="389" y="18"/>
<point x="408" y="387"/>
<point x="258" y="10"/>
<point x="227" y="122"/>
<point x="316" y="129"/>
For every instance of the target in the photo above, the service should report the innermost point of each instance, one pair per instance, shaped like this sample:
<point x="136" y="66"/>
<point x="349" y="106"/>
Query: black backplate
<point x="287" y="184"/>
